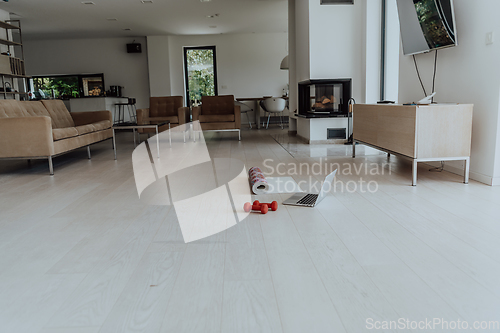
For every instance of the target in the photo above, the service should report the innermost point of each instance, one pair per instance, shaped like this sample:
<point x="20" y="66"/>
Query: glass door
<point x="200" y="70"/>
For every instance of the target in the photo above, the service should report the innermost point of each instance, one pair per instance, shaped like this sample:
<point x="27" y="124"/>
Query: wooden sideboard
<point x="423" y="133"/>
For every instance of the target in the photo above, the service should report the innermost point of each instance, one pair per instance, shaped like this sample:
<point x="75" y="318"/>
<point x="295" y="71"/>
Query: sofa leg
<point x="239" y="135"/>
<point x="114" y="143"/>
<point x="51" y="166"/>
<point x="88" y="152"/>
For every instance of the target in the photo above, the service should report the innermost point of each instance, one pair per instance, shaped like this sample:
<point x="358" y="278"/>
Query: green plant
<point x="201" y="73"/>
<point x="63" y="87"/>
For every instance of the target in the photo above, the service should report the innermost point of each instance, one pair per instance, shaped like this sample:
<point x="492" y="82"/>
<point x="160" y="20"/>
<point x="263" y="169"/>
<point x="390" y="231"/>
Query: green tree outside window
<point x="201" y="76"/>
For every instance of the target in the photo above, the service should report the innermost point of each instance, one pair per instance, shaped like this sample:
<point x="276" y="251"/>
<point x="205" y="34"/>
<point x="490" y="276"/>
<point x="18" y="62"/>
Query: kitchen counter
<point x="97" y="104"/>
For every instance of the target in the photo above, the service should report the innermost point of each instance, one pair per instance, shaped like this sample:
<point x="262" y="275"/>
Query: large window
<point x="68" y="86"/>
<point x="200" y="68"/>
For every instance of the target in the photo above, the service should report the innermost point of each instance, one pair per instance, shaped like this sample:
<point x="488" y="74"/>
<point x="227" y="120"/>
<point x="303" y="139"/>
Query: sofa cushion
<point x="85" y="129"/>
<point x="159" y="120"/>
<point x="102" y="125"/>
<point x="59" y="114"/>
<point x="10" y="108"/>
<point x="64" y="133"/>
<point x="35" y="109"/>
<point x="212" y="105"/>
<point x="219" y="118"/>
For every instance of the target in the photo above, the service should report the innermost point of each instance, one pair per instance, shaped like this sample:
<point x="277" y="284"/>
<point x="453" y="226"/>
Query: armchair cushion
<point x="157" y="120"/>
<point x="217" y="105"/>
<point x="164" y="106"/>
<point x="218" y="118"/>
<point x="64" y="133"/>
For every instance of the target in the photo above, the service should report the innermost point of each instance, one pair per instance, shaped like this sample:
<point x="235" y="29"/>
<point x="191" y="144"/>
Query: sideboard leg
<point x="414" y="173"/>
<point x="467" y="170"/>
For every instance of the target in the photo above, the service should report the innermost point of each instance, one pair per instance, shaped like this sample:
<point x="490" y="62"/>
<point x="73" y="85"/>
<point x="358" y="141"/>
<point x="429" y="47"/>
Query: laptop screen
<point x="326" y="187"/>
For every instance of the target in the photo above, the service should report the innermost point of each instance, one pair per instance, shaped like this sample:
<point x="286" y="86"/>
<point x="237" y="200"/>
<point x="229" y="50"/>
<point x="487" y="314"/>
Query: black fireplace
<point x="324" y="98"/>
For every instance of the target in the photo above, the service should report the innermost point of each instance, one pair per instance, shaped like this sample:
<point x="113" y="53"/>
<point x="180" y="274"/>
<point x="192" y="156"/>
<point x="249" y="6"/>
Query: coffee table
<point x="134" y="127"/>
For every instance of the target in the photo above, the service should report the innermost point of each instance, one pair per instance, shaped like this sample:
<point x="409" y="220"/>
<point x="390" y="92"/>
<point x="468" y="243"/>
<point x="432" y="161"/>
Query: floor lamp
<point x="350" y="103"/>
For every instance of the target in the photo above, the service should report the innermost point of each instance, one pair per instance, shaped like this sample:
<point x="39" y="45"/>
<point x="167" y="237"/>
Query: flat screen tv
<point x="426" y="25"/>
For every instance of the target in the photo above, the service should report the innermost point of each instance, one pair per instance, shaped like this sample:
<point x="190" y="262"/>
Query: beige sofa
<point x="39" y="130"/>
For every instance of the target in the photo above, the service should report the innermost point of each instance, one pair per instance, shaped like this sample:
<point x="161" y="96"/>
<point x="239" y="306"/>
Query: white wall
<point x="302" y="41"/>
<point x="372" y="52"/>
<point x="159" y="66"/>
<point x="392" y="52"/>
<point x="336" y="43"/>
<point x="468" y="73"/>
<point x="107" y="55"/>
<point x="343" y="41"/>
<point x="248" y="65"/>
<point x="496" y="171"/>
<point x="292" y="62"/>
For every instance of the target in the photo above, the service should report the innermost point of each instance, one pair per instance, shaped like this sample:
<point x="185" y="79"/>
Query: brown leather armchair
<point x="163" y="109"/>
<point x="218" y="113"/>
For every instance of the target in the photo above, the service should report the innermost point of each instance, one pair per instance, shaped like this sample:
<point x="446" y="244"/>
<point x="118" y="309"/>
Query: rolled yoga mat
<point x="258" y="181"/>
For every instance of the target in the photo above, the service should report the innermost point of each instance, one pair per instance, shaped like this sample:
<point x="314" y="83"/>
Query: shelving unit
<point x="16" y="76"/>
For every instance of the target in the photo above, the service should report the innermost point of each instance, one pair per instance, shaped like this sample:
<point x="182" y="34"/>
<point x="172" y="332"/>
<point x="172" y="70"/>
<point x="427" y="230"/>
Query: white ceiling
<point x="53" y="19"/>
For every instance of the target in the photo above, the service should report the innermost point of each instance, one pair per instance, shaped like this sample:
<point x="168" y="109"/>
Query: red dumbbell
<point x="273" y="205"/>
<point x="263" y="208"/>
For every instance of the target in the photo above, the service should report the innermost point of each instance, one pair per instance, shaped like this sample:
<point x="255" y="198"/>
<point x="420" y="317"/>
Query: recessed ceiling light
<point x="127" y="29"/>
<point x="112" y="19"/>
<point x="205" y="0"/>
<point x="213" y="26"/>
<point x="88" y="2"/>
<point x="147" y="1"/>
<point x="213" y="16"/>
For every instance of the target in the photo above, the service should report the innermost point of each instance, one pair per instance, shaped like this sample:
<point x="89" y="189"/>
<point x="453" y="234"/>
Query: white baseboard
<point x="473" y="175"/>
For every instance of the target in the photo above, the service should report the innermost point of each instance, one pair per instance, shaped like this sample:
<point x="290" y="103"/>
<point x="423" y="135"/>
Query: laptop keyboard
<point x="308" y="200"/>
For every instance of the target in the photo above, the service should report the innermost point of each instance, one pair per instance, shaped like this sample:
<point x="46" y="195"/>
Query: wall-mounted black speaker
<point x="134" y="48"/>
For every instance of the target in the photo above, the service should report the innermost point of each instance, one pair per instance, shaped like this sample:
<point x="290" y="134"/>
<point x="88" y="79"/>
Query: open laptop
<point x="311" y="199"/>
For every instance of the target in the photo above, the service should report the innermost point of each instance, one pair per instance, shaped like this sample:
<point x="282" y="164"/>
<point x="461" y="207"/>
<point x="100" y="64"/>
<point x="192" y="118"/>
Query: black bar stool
<point x="120" y="109"/>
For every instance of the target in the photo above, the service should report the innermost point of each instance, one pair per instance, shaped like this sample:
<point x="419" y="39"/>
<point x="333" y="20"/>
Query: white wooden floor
<point x="80" y="253"/>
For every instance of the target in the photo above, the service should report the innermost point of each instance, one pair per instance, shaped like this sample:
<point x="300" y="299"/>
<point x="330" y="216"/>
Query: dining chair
<point x="244" y="109"/>
<point x="273" y="105"/>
